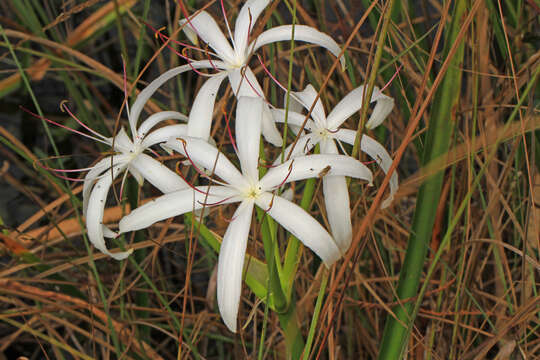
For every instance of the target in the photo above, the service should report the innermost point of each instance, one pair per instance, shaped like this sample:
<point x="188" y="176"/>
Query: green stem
<point x="316" y="313"/>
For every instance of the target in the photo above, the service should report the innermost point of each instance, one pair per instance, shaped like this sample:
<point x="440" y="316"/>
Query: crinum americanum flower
<point x="247" y="188"/>
<point x="326" y="131"/>
<point x="232" y="61"/>
<point x="130" y="157"/>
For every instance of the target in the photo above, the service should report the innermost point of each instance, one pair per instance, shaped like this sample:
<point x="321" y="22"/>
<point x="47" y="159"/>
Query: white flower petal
<point x="231" y="264"/>
<point x="208" y="157"/>
<point x="337" y="203"/>
<point x="189" y="32"/>
<point x="269" y="129"/>
<point x="163" y="134"/>
<point x="310" y="166"/>
<point x="378" y="153"/>
<point x="307" y="98"/>
<point x="174" y="204"/>
<point x="93" y="175"/>
<point x="108" y="233"/>
<point x="288" y="194"/>
<point x="245" y="22"/>
<point x="302" y="147"/>
<point x="244" y="83"/>
<point x="121" y="141"/>
<point x="137" y="175"/>
<point x="155" y="119"/>
<point x="200" y="116"/>
<point x="301" y="33"/>
<point x="350" y="104"/>
<point x="208" y="30"/>
<point x="149" y="90"/>
<point x="248" y="134"/>
<point x="299" y="223"/>
<point x="384" y="106"/>
<point x="294" y="105"/>
<point x="247" y="85"/>
<point x="293" y="118"/>
<point x="338" y="210"/>
<point x="94" y="214"/>
<point x="158" y="174"/>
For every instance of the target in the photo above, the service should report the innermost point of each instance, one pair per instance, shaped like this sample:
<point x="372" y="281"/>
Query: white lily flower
<point x="325" y="130"/>
<point x="233" y="60"/>
<point x="246" y="187"/>
<point x="130" y="157"/>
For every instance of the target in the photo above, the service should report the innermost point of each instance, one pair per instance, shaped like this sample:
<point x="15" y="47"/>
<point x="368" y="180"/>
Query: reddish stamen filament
<point x="215" y="203"/>
<point x="229" y="128"/>
<point x="184" y="178"/>
<point x="271" y="204"/>
<point x="270" y="74"/>
<point x="393" y="76"/>
<point x="63" y="126"/>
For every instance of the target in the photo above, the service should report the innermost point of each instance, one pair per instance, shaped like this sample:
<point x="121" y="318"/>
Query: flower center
<point x="323" y="133"/>
<point x="134" y="151"/>
<point x="253" y="192"/>
<point x="238" y="61"/>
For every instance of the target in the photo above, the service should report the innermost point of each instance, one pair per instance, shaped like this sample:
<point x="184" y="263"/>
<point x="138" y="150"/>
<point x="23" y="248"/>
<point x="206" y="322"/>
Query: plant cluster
<point x="315" y="150"/>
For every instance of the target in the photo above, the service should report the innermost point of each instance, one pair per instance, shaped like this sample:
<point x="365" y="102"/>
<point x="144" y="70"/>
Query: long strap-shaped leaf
<point x="396" y="331"/>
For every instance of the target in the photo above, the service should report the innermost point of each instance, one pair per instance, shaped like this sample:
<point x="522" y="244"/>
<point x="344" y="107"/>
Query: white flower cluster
<point x="254" y="116"/>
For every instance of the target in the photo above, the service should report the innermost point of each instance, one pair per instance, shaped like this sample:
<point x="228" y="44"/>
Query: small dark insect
<point x="324" y="171"/>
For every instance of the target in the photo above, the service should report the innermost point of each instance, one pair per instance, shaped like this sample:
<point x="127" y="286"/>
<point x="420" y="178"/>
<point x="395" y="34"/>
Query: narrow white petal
<point x="311" y="166"/>
<point x="245" y="22"/>
<point x="149" y="90"/>
<point x="137" y="175"/>
<point x="98" y="169"/>
<point x="269" y="129"/>
<point x="200" y="117"/>
<point x="350" y="104"/>
<point x="208" y="157"/>
<point x="189" y="32"/>
<point x="288" y="194"/>
<point x="163" y="134"/>
<point x="302" y="147"/>
<point x="94" y="214"/>
<point x="294" y="105"/>
<point x="378" y="153"/>
<point x="158" y="174"/>
<point x="301" y="33"/>
<point x="108" y="233"/>
<point x="299" y="223"/>
<point x="307" y="97"/>
<point x="293" y="118"/>
<point x="231" y="264"/>
<point x="244" y="83"/>
<point x="208" y="30"/>
<point x="155" y="119"/>
<point x="121" y="141"/>
<point x="384" y="106"/>
<point x="338" y="210"/>
<point x="249" y="111"/>
<point x="337" y="203"/>
<point x="174" y="204"/>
